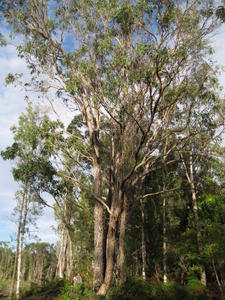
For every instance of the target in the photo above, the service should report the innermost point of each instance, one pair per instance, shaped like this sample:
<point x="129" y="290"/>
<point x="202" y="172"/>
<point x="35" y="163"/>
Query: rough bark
<point x="111" y="241"/>
<point x="121" y="251"/>
<point x="93" y="122"/>
<point x="98" y="230"/>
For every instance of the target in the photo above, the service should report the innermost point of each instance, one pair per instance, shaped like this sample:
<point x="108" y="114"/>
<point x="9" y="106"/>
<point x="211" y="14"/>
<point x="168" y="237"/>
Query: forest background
<point x="9" y="52"/>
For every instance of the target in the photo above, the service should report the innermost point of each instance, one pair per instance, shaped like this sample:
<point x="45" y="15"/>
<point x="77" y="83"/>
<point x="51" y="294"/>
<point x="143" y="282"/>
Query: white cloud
<point x="12" y="104"/>
<point x="218" y="43"/>
<point x="45" y="227"/>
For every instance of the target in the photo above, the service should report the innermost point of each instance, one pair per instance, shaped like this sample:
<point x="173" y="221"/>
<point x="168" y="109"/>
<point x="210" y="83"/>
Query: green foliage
<point x="66" y="292"/>
<point x="49" y="289"/>
<point x="220" y="13"/>
<point x="80" y="292"/>
<point x="10" y="78"/>
<point x="124" y="16"/>
<point x="136" y="288"/>
<point x="197" y="290"/>
<point x="140" y="76"/>
<point x="133" y="288"/>
<point x="6" y="262"/>
<point x="2" y="40"/>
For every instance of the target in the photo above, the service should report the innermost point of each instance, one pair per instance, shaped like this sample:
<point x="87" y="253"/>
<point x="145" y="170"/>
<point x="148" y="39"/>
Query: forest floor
<point x="47" y="292"/>
<point x="3" y="294"/>
<point x="4" y="289"/>
<point x="53" y="295"/>
<point x="44" y="296"/>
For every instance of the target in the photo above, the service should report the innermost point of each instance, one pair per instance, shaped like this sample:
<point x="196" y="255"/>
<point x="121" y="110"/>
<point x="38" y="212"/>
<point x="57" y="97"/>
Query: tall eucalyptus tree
<point x="125" y="66"/>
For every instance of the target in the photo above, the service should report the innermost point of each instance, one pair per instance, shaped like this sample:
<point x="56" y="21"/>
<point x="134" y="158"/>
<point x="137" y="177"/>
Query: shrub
<point x="80" y="292"/>
<point x="132" y="289"/>
<point x="137" y="289"/>
<point x="50" y="287"/>
<point x="197" y="290"/>
<point x="174" y="291"/>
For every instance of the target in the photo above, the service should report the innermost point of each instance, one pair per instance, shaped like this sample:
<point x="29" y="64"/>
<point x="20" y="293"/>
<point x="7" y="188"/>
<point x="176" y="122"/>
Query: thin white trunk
<point x="18" y="275"/>
<point x="164" y="243"/>
<point x="165" y="279"/>
<point x="190" y="178"/>
<point x="17" y="247"/>
<point x="143" y="245"/>
<point x="196" y="216"/>
<point x="21" y="245"/>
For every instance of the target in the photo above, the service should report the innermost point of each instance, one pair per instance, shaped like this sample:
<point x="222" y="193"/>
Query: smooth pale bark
<point x="21" y="245"/>
<point x="70" y="258"/>
<point x="143" y="245"/>
<point x="17" y="247"/>
<point x="68" y="237"/>
<point x="164" y="243"/>
<point x="136" y="264"/>
<point x="190" y="178"/>
<point x="196" y="216"/>
<point x="164" y="210"/>
<point x="65" y="257"/>
<point x="58" y="271"/>
<point x="62" y="254"/>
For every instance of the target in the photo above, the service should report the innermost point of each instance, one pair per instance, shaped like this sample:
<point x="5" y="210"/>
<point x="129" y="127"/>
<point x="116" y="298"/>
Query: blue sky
<point x="11" y="105"/>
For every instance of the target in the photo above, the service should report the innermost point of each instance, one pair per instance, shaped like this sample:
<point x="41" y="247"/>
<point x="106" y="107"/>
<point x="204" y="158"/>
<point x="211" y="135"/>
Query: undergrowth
<point x="80" y="292"/>
<point x="137" y="289"/>
<point x="132" y="289"/>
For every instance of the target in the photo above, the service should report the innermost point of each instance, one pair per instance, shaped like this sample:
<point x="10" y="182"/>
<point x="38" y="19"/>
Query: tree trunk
<point x="143" y="245"/>
<point x="218" y="280"/>
<point x="70" y="258"/>
<point x="111" y="241"/>
<point x="93" y="122"/>
<point x="21" y="244"/>
<point x="121" y="254"/>
<point x="17" y="248"/>
<point x="165" y="172"/>
<point x="164" y="243"/>
<point x="196" y="217"/>
<point x="99" y="259"/>
<point x="62" y="254"/>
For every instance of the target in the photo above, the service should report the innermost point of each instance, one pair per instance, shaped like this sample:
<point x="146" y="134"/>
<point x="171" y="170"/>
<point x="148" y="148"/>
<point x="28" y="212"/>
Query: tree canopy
<point x="143" y="151"/>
